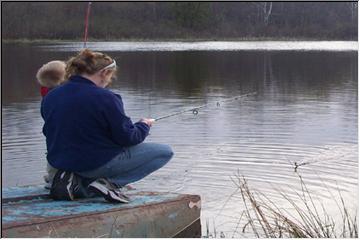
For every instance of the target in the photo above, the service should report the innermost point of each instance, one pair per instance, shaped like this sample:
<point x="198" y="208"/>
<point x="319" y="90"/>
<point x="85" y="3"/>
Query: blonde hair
<point x="87" y="61"/>
<point x="51" y="74"/>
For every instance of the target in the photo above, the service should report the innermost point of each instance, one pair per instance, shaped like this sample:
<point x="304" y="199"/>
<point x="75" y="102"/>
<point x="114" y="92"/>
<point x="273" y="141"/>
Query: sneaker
<point x="109" y="191"/>
<point x="63" y="186"/>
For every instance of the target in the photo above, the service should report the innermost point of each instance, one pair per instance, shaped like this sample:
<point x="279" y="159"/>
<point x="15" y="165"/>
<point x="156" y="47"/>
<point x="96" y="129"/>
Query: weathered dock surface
<point x="29" y="212"/>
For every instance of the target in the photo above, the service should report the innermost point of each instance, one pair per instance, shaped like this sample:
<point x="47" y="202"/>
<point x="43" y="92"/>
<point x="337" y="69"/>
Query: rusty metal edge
<point x="178" y="199"/>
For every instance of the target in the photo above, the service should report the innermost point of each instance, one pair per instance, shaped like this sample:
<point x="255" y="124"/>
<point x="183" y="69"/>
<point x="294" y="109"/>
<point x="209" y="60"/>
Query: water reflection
<point x="305" y="111"/>
<point x="198" y="73"/>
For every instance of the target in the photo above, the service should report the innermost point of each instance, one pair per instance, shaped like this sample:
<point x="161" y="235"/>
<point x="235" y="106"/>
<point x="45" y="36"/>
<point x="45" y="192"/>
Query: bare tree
<point x="352" y="7"/>
<point x="267" y="9"/>
<point x="264" y="11"/>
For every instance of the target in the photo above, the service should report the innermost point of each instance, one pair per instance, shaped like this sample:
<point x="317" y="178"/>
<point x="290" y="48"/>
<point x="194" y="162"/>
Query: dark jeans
<point x="133" y="164"/>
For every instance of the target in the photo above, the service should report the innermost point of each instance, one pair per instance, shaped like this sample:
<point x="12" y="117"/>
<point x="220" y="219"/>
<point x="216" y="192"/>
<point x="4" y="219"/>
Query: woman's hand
<point x="148" y="121"/>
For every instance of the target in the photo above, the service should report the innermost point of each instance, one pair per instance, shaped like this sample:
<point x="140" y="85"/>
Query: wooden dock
<point x="29" y="212"/>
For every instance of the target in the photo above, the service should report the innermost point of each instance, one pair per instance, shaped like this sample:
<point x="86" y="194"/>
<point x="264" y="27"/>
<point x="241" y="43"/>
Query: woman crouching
<point x="93" y="145"/>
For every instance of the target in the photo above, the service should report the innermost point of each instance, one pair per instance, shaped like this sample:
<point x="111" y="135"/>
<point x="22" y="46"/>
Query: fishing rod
<point x="195" y="110"/>
<point x="86" y="23"/>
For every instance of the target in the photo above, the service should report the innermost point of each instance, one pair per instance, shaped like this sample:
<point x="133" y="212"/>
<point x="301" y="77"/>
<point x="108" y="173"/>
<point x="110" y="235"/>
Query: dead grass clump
<point x="309" y="218"/>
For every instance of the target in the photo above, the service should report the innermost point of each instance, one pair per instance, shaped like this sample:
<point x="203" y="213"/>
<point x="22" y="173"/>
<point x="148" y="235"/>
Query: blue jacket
<point x="86" y="126"/>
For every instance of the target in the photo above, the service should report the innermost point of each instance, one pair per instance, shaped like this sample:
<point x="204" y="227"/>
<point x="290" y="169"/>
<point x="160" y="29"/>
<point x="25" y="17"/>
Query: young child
<point x="50" y="75"/>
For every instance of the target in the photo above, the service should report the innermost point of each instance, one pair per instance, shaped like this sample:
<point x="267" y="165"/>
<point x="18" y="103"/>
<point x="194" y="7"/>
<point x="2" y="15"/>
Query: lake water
<point x="305" y="111"/>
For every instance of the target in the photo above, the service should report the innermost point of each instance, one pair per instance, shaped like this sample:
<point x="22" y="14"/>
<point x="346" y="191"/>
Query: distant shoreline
<point x="49" y="41"/>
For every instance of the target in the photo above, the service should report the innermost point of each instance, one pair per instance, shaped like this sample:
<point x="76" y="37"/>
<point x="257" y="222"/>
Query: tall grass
<point x="308" y="218"/>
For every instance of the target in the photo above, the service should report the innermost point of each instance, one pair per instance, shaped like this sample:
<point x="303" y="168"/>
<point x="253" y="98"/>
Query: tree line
<point x="180" y="20"/>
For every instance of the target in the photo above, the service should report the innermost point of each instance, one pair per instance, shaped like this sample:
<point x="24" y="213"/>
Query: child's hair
<point x="87" y="61"/>
<point x="51" y="74"/>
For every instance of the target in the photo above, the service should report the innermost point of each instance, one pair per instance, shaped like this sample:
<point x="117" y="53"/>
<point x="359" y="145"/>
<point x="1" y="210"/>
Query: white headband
<point x="111" y="65"/>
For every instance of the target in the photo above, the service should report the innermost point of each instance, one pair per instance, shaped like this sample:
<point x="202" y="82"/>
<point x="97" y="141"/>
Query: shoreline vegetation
<point x="181" y="20"/>
<point x="306" y="216"/>
<point x="310" y="217"/>
<point x="252" y="39"/>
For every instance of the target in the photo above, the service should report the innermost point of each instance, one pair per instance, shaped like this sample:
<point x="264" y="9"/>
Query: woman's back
<point x="85" y="124"/>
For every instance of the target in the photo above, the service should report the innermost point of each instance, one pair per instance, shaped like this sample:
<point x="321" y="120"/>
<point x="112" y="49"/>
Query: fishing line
<point x="86" y="23"/>
<point x="195" y="110"/>
<point x="327" y="154"/>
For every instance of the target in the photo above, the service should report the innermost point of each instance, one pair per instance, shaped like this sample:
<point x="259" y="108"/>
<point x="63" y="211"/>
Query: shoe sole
<point x="109" y="195"/>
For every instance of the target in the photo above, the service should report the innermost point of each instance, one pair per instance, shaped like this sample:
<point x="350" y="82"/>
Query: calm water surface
<point x="305" y="112"/>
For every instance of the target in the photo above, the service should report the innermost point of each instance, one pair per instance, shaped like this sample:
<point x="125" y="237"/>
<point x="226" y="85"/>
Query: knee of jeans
<point x="167" y="152"/>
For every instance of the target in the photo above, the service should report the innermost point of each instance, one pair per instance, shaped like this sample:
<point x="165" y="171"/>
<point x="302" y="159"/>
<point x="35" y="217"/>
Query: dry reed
<point x="309" y="218"/>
